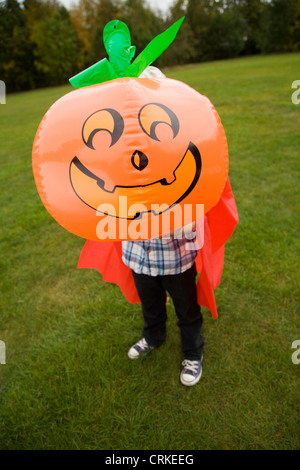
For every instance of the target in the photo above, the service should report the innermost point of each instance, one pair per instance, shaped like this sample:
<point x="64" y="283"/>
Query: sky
<point x="161" y="5"/>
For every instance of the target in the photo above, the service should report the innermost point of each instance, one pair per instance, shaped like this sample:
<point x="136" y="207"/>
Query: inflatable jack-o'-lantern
<point x="128" y="151"/>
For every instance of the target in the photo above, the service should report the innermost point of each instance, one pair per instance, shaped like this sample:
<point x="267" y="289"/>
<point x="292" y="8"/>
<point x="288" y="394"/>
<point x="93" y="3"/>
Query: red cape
<point x="219" y="224"/>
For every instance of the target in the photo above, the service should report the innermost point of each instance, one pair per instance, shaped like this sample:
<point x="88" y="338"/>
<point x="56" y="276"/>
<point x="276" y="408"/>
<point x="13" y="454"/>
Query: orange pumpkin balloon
<point x="127" y="152"/>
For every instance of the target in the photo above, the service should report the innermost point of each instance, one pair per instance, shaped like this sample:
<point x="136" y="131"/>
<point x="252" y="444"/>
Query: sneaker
<point x="141" y="347"/>
<point x="191" y="372"/>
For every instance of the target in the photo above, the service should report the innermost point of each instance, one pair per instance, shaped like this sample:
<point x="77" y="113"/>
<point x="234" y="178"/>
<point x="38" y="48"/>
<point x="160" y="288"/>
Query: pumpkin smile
<point x="91" y="189"/>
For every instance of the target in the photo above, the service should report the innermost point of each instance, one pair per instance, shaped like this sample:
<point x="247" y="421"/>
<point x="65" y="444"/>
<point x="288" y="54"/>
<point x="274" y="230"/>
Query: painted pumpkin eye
<point x="104" y="120"/>
<point x="153" y="114"/>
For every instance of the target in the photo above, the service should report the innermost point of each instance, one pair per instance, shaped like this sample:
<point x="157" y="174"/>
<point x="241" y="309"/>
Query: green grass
<point x="68" y="383"/>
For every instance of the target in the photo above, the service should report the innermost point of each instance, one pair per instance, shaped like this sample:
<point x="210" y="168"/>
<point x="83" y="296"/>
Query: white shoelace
<point x="190" y="365"/>
<point x="143" y="344"/>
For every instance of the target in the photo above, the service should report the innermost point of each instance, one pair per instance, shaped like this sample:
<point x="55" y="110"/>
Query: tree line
<point x="43" y="44"/>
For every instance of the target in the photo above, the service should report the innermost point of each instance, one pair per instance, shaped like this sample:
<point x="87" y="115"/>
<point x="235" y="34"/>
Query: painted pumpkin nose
<point x="139" y="160"/>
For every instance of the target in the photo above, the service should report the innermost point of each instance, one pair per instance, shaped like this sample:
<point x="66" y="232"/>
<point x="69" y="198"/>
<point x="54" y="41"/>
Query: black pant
<point x="182" y="289"/>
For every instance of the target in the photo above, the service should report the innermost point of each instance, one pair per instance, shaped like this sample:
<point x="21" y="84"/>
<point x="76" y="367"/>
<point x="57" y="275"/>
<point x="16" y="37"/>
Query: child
<point x="160" y="265"/>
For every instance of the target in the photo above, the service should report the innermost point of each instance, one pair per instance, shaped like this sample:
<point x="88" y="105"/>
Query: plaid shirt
<point x="160" y="256"/>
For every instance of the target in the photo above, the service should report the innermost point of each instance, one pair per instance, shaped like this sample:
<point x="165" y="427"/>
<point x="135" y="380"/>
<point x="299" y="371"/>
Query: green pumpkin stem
<point x="154" y="49"/>
<point x="103" y="71"/>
